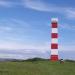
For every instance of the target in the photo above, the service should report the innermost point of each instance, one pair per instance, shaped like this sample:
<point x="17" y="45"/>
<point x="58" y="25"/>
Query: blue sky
<point x="25" y="28"/>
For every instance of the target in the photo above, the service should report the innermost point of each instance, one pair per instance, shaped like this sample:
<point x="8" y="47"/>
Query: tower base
<point x="54" y="58"/>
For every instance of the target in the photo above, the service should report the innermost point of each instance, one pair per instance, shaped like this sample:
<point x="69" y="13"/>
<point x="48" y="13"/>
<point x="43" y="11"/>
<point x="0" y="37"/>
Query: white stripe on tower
<point x="54" y="30"/>
<point x="54" y="39"/>
<point x="54" y="52"/>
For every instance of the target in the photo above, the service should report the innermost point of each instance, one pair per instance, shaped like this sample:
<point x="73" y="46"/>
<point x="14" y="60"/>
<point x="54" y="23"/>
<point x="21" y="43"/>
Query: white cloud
<point x="5" y="3"/>
<point x="67" y="26"/>
<point x="9" y="45"/>
<point x="15" y="56"/>
<point x="11" y="25"/>
<point x="21" y="50"/>
<point x="67" y="47"/>
<point x="9" y="3"/>
<point x="16" y="27"/>
<point x="41" y="6"/>
<point x="70" y="13"/>
<point x="12" y="43"/>
<point x="5" y="29"/>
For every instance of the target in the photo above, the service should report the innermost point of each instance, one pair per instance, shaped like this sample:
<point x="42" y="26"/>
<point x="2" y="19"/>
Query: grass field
<point x="37" y="68"/>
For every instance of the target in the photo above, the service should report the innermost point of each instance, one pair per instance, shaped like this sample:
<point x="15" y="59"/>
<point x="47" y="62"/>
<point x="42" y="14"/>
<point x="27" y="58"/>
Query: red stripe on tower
<point x="54" y="39"/>
<point x="54" y="35"/>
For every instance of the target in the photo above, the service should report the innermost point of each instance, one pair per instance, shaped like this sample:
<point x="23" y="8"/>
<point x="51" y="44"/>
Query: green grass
<point x="37" y="68"/>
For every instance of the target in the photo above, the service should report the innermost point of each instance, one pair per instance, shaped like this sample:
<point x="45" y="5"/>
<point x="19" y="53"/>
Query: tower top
<point x="54" y="20"/>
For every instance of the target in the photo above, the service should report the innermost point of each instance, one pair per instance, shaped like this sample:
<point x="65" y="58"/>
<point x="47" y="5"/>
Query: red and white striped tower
<point x="54" y="39"/>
